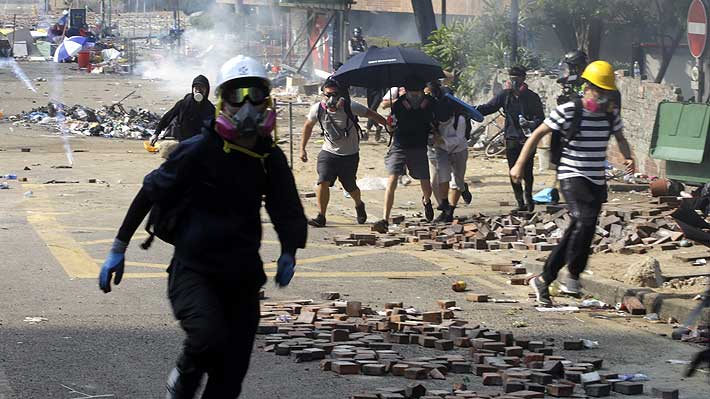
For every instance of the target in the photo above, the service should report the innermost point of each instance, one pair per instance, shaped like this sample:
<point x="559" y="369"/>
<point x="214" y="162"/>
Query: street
<point x="60" y="337"/>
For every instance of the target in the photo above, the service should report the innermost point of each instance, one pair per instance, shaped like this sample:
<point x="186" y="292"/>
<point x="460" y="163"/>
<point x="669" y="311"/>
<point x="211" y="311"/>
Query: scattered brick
<point x="628" y="387"/>
<point x="560" y="390"/>
<point x="416" y="373"/>
<point x="415" y="391"/>
<point x="665" y="393"/>
<point x="513" y="351"/>
<point x="576" y="345"/>
<point x="492" y="379"/>
<point x="344" y="368"/>
<point x="598" y="390"/>
<point x="633" y="305"/>
<point x="374" y="369"/>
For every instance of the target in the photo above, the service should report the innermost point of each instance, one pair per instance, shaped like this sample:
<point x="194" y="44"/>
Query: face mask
<point x="248" y="121"/>
<point x="198" y="96"/>
<point x="334" y="102"/>
<point x="518" y="85"/>
<point x="598" y="105"/>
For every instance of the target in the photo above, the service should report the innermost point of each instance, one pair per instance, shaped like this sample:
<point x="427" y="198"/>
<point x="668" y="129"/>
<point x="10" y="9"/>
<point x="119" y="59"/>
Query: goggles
<point x="238" y="96"/>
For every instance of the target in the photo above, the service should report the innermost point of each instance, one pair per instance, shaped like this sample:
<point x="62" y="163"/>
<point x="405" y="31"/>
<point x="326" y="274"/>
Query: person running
<point x="339" y="157"/>
<point x="221" y="178"/>
<point x="583" y="127"/>
<point x="523" y="113"/>
<point x="413" y="114"/>
<point x="451" y="150"/>
<point x="189" y="115"/>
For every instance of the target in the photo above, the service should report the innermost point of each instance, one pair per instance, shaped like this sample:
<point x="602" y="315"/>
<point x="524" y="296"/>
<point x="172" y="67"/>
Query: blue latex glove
<point x="114" y="263"/>
<point x="286" y="267"/>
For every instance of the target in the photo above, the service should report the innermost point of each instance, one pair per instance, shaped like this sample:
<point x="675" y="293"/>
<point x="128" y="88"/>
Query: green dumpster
<point x="680" y="137"/>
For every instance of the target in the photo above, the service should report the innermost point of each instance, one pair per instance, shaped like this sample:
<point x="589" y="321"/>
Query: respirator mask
<point x="244" y="114"/>
<point x="197" y="96"/>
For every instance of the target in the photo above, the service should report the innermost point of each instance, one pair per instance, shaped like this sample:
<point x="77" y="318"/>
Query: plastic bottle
<point x="10" y="176"/>
<point x="637" y="70"/>
<point x="522" y="121"/>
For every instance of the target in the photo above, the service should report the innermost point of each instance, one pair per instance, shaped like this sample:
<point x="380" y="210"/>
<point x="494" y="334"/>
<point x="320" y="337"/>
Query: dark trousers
<point x="584" y="200"/>
<point x="512" y="152"/>
<point x="220" y="320"/>
<point x="374" y="99"/>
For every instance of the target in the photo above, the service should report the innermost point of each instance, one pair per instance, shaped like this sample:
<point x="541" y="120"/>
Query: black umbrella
<point x="386" y="67"/>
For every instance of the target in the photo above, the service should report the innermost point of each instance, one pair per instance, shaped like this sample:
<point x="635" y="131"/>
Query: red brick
<point x="628" y="388"/>
<point x="513" y="351"/>
<point x="445" y="304"/>
<point x="416" y="373"/>
<point x="560" y="390"/>
<point x="665" y="393"/>
<point x="598" y="390"/>
<point x="492" y="379"/>
<point x="354" y="309"/>
<point x="462" y="342"/>
<point x="432" y="317"/>
<point x="374" y="369"/>
<point x="477" y="297"/>
<point x="398" y="369"/>
<point x="345" y="368"/>
<point x="444" y="344"/>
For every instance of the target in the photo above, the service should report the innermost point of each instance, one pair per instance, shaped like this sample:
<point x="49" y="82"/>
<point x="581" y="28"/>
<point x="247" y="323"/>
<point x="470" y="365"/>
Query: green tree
<point x="578" y="24"/>
<point x="473" y="48"/>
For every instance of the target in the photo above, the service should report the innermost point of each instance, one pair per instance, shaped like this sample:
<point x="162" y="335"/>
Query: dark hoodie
<point x="189" y="115"/>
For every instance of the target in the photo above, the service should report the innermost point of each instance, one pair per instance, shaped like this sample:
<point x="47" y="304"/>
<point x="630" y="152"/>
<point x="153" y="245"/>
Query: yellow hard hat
<point x="600" y="74"/>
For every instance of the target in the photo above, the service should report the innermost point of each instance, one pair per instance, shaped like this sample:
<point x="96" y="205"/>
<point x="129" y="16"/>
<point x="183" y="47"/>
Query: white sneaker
<point x="570" y="286"/>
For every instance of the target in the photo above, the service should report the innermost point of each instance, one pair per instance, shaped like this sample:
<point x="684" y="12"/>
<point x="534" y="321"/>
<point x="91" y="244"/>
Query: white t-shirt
<point x="392" y="94"/>
<point x="338" y="140"/>
<point x="453" y="139"/>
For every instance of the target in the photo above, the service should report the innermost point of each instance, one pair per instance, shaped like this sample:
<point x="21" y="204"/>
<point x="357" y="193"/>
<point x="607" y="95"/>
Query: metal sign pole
<point x="290" y="132"/>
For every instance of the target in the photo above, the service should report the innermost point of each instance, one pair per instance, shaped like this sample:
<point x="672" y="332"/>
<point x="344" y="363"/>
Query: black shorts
<point x="342" y="167"/>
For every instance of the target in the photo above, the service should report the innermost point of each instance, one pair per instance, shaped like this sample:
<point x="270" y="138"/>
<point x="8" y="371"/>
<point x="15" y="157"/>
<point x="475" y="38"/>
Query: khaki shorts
<point x="451" y="166"/>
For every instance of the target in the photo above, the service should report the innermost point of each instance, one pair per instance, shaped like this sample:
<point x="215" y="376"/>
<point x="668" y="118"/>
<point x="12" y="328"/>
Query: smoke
<point x="19" y="73"/>
<point x="230" y="34"/>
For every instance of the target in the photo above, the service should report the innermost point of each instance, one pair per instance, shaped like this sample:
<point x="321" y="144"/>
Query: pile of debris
<point x="632" y="228"/>
<point x="108" y="121"/>
<point x="351" y="339"/>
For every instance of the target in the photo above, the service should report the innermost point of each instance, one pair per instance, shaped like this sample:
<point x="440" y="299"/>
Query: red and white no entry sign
<point x="697" y="28"/>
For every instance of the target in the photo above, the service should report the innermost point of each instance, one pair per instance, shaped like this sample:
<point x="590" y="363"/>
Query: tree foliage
<point x="474" y="47"/>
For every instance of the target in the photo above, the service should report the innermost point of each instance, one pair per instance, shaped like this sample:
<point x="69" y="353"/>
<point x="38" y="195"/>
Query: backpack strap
<point x="576" y="123"/>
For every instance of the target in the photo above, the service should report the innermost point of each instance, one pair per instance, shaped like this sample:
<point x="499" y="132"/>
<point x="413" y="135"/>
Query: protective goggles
<point x="239" y="95"/>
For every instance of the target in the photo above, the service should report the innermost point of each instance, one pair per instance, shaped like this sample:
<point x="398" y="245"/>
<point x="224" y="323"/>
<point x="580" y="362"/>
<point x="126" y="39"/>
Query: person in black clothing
<point x="357" y="43"/>
<point x="523" y="113"/>
<point x="223" y="175"/>
<point x="414" y="117"/>
<point x="188" y="115"/>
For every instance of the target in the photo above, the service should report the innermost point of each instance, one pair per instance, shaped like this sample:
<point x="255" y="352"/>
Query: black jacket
<point x="413" y="125"/>
<point x="191" y="116"/>
<point x="528" y="104"/>
<point x="221" y="229"/>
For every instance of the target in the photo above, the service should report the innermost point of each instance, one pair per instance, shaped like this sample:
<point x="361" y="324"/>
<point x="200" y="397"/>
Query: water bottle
<point x="637" y="70"/>
<point x="10" y="176"/>
<point x="522" y="121"/>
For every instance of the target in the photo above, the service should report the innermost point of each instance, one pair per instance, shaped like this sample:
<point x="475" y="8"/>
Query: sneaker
<point x="318" y="221"/>
<point x="466" y="195"/>
<point x="428" y="211"/>
<point x="361" y="214"/>
<point x="381" y="226"/>
<point x="571" y="287"/>
<point x="446" y="215"/>
<point x="542" y="292"/>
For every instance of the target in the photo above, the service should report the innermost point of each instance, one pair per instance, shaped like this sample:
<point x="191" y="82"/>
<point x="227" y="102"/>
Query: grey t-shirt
<point x="337" y="140"/>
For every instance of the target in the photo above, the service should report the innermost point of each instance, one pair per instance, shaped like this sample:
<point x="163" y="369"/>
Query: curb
<point x="677" y="306"/>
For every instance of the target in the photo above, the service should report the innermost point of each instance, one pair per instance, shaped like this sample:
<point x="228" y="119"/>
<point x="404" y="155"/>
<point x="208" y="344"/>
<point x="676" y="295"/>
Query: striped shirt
<point x="585" y="156"/>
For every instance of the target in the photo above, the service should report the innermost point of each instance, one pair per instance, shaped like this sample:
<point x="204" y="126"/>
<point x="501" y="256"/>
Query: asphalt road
<point x="88" y="344"/>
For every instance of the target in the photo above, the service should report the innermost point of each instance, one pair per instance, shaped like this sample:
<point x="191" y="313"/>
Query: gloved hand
<point x="286" y="266"/>
<point x="114" y="263"/>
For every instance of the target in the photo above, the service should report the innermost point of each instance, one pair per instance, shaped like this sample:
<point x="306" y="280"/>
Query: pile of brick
<point x="350" y="339"/>
<point x="633" y="228"/>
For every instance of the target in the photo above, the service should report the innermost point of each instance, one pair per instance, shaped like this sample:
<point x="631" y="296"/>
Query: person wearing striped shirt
<point x="580" y="172"/>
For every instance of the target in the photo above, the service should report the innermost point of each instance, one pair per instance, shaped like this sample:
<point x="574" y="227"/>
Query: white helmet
<point x="241" y="67"/>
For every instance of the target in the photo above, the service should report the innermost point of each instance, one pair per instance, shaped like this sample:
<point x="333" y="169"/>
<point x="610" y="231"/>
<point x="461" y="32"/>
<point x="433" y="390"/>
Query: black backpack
<point x="567" y="135"/>
<point x="164" y="219"/>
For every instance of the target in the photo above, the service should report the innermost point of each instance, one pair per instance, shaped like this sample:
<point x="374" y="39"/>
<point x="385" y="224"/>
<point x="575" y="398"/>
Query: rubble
<point x="366" y="344"/>
<point x="646" y="273"/>
<point x="635" y="228"/>
<point x="108" y="121"/>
